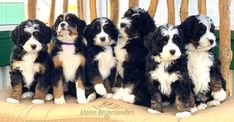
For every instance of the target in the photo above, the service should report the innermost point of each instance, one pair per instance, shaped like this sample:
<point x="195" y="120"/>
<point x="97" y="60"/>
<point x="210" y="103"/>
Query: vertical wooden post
<point x="114" y="14"/>
<point x="171" y="11"/>
<point x="225" y="40"/>
<point x="184" y="10"/>
<point x="93" y="11"/>
<point x="65" y="6"/>
<point x="80" y="9"/>
<point x="153" y="7"/>
<point x="32" y="6"/>
<point x="51" y="19"/>
<point x="202" y="7"/>
<point x="133" y="3"/>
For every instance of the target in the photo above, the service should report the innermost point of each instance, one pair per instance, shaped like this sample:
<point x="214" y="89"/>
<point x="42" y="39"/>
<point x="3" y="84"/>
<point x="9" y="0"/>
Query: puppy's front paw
<point x="129" y="98"/>
<point x="49" y="97"/>
<point x="202" y="106"/>
<point x="220" y="95"/>
<point x="150" y="110"/>
<point x="38" y="101"/>
<point x="27" y="95"/>
<point x="100" y="89"/>
<point x="92" y="97"/>
<point x="12" y="100"/>
<point x="108" y="95"/>
<point x="195" y="109"/>
<point x="213" y="103"/>
<point x="183" y="114"/>
<point x="82" y="100"/>
<point x="60" y="100"/>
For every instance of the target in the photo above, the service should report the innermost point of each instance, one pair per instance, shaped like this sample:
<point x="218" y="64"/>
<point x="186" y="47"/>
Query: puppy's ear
<point x="187" y="27"/>
<point x="15" y="35"/>
<point x="114" y="31"/>
<point x="81" y="26"/>
<point x="148" y="24"/>
<point x="148" y="41"/>
<point x="87" y="32"/>
<point x="47" y="34"/>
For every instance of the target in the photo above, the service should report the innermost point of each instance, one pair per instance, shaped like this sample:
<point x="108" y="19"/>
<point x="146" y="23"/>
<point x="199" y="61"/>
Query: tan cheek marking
<point x="16" y="92"/>
<point x="74" y="31"/>
<point x="57" y="62"/>
<point x="58" y="90"/>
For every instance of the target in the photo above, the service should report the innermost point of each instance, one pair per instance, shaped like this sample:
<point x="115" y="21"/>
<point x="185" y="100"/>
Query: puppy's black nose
<point x="62" y="24"/>
<point x="122" y="25"/>
<point x="172" y="52"/>
<point x="33" y="46"/>
<point x="103" y="39"/>
<point x="211" y="41"/>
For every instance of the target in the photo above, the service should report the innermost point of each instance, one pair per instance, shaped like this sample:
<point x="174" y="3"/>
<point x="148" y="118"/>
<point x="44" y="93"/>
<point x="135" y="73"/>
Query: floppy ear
<point x="148" y="24"/>
<point x="115" y="31"/>
<point x="187" y="27"/>
<point x="15" y="35"/>
<point x="148" y="41"/>
<point x="87" y="32"/>
<point x="47" y="34"/>
<point x="81" y="26"/>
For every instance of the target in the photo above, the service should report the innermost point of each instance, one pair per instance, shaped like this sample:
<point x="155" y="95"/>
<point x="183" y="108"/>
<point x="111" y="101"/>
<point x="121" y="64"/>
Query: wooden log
<point x="225" y="52"/>
<point x="153" y="7"/>
<point x="202" y="7"/>
<point x="32" y="9"/>
<point x="80" y="9"/>
<point x="114" y="14"/>
<point x="184" y="10"/>
<point x="133" y="3"/>
<point x="51" y="20"/>
<point x="65" y="6"/>
<point x="171" y="12"/>
<point x="93" y="11"/>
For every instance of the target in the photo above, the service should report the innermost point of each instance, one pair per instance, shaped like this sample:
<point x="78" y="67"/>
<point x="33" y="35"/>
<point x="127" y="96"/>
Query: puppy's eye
<point x="27" y="34"/>
<point x="176" y="38"/>
<point x="105" y="27"/>
<point x="36" y="28"/>
<point x="212" y="28"/>
<point x="60" y="19"/>
<point x="35" y="34"/>
<point x="98" y="27"/>
<point x="164" y="40"/>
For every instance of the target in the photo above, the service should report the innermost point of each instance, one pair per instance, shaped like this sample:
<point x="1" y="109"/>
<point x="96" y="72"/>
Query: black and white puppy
<point x="130" y="53"/>
<point x="30" y="62"/>
<point x="203" y="66"/>
<point x="69" y="58"/>
<point x="166" y="71"/>
<point x="101" y="35"/>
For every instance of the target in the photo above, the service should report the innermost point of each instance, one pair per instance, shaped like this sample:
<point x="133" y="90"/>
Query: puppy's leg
<point x="99" y="86"/>
<point x="218" y="92"/>
<point x="108" y="89"/>
<point x="58" y="93"/>
<point x="193" y="103"/>
<point x="40" y="93"/>
<point x="156" y="106"/>
<point x="182" y="108"/>
<point x="80" y="92"/>
<point x="16" y="82"/>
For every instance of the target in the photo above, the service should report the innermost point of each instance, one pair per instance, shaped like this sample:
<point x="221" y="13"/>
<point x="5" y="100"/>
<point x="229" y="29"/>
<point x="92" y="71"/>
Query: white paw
<point x="38" y="101"/>
<point x="27" y="95"/>
<point x="150" y="110"/>
<point x="12" y="100"/>
<point x="92" y="97"/>
<point x="100" y="89"/>
<point x="108" y="95"/>
<point x="115" y="89"/>
<point x="59" y="101"/>
<point x="129" y="98"/>
<point x="119" y="94"/>
<point x="220" y="95"/>
<point x="166" y="103"/>
<point x="82" y="100"/>
<point x="195" y="109"/>
<point x="202" y="106"/>
<point x="213" y="103"/>
<point x="49" y="97"/>
<point x="183" y="114"/>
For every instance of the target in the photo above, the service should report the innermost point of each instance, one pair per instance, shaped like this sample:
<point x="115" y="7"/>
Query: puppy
<point x="101" y="36"/>
<point x="69" y="57"/>
<point x="166" y="71"/>
<point x="30" y="62"/>
<point x="130" y="53"/>
<point x="203" y="66"/>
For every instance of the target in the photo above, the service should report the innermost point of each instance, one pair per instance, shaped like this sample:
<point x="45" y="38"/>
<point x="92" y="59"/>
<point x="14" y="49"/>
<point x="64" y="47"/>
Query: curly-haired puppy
<point x="130" y="53"/>
<point x="69" y="58"/>
<point x="203" y="66"/>
<point x="166" y="71"/>
<point x="101" y="36"/>
<point x="30" y="62"/>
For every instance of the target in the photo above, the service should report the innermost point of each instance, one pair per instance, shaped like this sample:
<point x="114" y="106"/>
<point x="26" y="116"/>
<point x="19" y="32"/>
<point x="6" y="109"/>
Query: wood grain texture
<point x="133" y="3"/>
<point x="153" y="7"/>
<point x="32" y="9"/>
<point x="184" y="10"/>
<point x="114" y="11"/>
<point x="171" y="12"/>
<point x="93" y="11"/>
<point x="80" y="10"/>
<point x="52" y="12"/>
<point x="202" y="7"/>
<point x="65" y="6"/>
<point x="225" y="52"/>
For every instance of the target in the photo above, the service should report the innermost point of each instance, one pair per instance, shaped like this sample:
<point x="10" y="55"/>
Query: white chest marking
<point x="71" y="62"/>
<point x="29" y="68"/>
<point x="106" y="61"/>
<point x="164" y="78"/>
<point x="121" y="55"/>
<point x="199" y="64"/>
